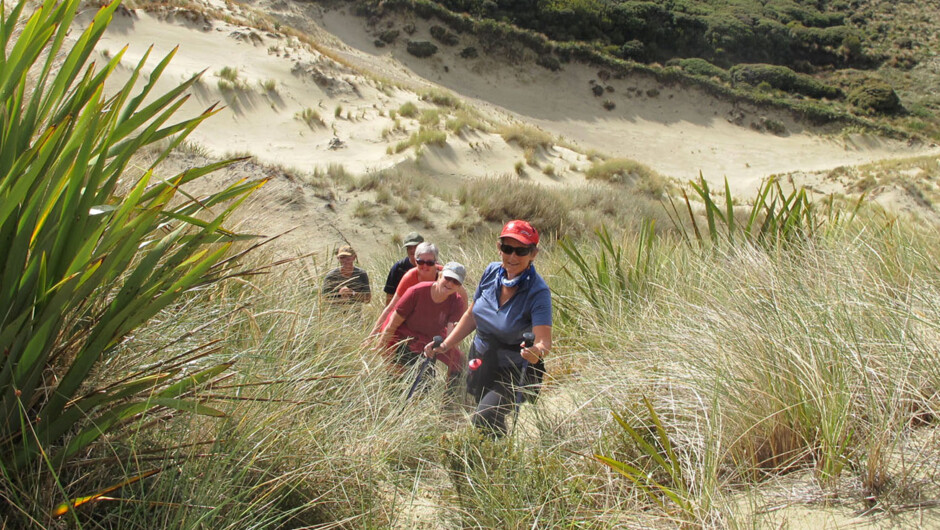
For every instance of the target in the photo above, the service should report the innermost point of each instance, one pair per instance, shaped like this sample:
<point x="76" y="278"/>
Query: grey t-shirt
<point x="358" y="282"/>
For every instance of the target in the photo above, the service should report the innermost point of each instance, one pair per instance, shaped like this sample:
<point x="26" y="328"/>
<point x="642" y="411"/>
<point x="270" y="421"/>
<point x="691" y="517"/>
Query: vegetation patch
<point x="783" y="78"/>
<point x="701" y="67"/>
<point x="621" y="171"/>
<point x="444" y="36"/>
<point x="876" y="97"/>
<point x="423" y="136"/>
<point x="421" y="48"/>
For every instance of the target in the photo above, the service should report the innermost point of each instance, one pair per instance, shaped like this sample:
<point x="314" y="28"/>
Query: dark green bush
<point x="548" y="61"/>
<point x="876" y="97"/>
<point x="421" y="48"/>
<point x="444" y="36"/>
<point x="469" y="53"/>
<point x="389" y="36"/>
<point x="696" y="66"/>
<point x="634" y="50"/>
<point x="783" y="78"/>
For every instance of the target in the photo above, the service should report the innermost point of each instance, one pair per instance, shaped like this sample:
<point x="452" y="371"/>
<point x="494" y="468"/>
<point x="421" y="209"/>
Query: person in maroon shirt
<point x="426" y="309"/>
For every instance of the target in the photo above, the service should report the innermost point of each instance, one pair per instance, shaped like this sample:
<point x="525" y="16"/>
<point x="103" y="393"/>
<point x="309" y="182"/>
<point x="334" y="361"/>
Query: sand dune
<point x="351" y="92"/>
<point x="678" y="132"/>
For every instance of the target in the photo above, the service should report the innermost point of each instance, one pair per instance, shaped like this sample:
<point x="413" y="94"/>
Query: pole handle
<point x="528" y="338"/>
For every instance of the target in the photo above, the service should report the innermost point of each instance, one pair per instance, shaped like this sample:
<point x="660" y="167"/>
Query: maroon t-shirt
<point x="423" y="317"/>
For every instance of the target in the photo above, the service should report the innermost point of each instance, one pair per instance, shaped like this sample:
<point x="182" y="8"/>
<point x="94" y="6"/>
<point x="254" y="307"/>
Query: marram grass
<point x="815" y="361"/>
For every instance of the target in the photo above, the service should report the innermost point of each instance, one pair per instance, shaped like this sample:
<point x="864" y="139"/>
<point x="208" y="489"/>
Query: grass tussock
<point x="408" y="110"/>
<point x="422" y="137"/>
<point x="463" y="121"/>
<point x="442" y="98"/>
<point x="526" y="137"/>
<point x="311" y="117"/>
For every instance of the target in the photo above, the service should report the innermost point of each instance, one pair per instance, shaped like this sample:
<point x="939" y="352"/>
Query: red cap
<point x="521" y="231"/>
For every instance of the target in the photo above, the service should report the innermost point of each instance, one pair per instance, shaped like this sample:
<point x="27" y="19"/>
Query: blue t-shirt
<point x="501" y="328"/>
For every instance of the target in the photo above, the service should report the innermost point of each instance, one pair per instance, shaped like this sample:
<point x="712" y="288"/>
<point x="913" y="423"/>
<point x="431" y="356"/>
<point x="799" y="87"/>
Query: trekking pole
<point x="528" y="339"/>
<point x="437" y="342"/>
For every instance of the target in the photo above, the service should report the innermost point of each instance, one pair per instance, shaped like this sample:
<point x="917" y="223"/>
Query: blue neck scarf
<point x="506" y="282"/>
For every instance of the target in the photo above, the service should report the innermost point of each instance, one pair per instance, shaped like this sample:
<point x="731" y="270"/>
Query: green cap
<point x="412" y="239"/>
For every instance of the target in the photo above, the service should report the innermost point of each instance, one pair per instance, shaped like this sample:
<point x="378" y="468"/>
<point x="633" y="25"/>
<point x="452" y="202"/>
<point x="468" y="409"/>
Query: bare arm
<point x="542" y="345"/>
<point x="388" y="309"/>
<point x="463" y="328"/>
<point x="389" y="332"/>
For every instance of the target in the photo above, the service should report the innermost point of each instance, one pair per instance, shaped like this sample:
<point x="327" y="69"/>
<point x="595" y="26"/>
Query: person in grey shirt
<point x="346" y="284"/>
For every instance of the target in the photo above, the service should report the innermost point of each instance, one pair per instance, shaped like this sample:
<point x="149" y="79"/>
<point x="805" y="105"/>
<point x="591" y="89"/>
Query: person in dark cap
<point x="346" y="284"/>
<point x="402" y="266"/>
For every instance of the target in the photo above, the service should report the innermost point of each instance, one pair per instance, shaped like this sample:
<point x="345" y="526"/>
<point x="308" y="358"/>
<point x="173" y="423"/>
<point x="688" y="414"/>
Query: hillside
<point x="309" y="93"/>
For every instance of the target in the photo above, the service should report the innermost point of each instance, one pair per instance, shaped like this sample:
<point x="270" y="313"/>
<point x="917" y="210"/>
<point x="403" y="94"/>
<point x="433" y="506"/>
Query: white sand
<point x="678" y="132"/>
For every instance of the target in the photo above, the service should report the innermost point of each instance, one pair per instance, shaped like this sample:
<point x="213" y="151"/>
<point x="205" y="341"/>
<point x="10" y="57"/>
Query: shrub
<point x="783" y="78"/>
<point x="549" y="62"/>
<point x="876" y="97"/>
<point x="421" y="48"/>
<point x="444" y="36"/>
<point x="633" y="50"/>
<point x="469" y="53"/>
<point x="696" y="66"/>
<point x="389" y="36"/>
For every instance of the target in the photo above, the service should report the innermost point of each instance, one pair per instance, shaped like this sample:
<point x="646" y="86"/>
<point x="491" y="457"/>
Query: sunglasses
<point x="520" y="251"/>
<point x="429" y="263"/>
<point x="451" y="280"/>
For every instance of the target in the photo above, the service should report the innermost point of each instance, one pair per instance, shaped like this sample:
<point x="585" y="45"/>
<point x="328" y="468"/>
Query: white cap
<point x="454" y="271"/>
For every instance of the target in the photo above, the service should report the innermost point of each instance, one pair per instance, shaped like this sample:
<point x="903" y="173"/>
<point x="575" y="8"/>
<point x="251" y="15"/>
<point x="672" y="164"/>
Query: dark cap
<point x="412" y="239"/>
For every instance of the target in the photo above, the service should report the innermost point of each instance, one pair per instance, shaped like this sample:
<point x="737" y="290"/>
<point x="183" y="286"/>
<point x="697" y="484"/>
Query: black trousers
<point x="498" y="401"/>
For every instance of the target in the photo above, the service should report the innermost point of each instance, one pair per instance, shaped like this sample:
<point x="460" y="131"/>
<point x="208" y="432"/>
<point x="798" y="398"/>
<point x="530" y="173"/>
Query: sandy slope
<point x="679" y="132"/>
<point x="355" y="88"/>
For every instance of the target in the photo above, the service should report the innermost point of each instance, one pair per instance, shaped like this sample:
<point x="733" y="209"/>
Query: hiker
<point x="511" y="299"/>
<point x="425" y="310"/>
<point x="346" y="284"/>
<point x="426" y="270"/>
<point x="402" y="266"/>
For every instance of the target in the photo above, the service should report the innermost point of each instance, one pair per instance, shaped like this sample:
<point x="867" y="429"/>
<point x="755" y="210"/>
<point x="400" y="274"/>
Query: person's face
<point x="411" y="253"/>
<point x="425" y="262"/>
<point x="346" y="262"/>
<point x="449" y="285"/>
<point x="513" y="262"/>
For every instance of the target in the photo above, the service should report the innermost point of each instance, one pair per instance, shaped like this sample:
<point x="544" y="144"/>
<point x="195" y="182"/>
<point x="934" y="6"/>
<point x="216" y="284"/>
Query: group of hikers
<point x="511" y="312"/>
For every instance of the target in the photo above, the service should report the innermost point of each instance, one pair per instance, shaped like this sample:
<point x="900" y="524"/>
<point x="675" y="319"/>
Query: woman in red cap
<point x="511" y="299"/>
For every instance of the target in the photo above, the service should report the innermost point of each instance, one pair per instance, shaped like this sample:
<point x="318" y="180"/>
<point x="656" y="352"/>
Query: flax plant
<point x="775" y="216"/>
<point x="88" y="252"/>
